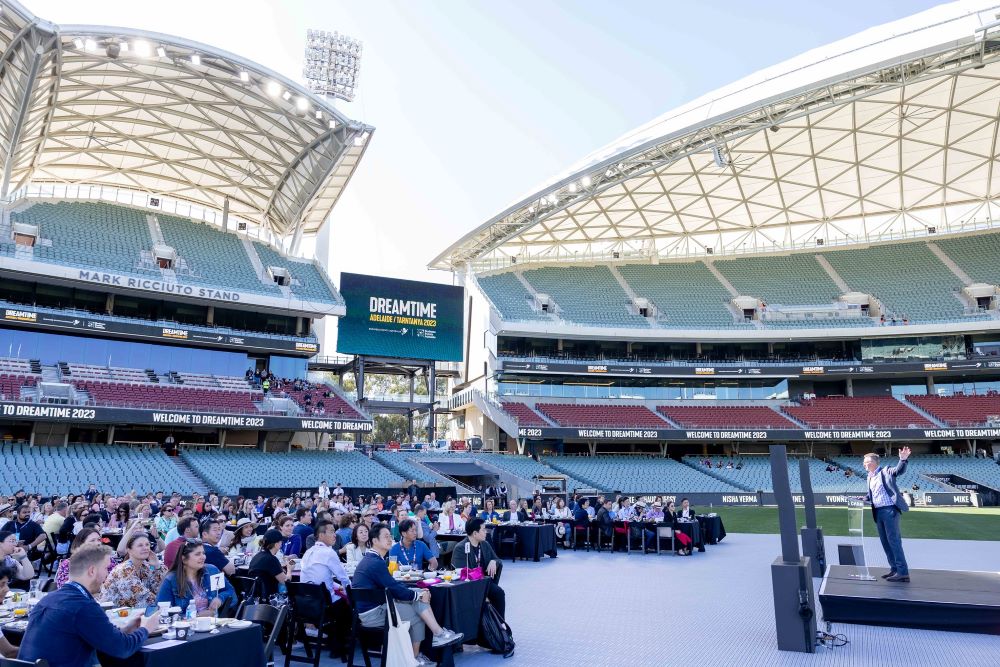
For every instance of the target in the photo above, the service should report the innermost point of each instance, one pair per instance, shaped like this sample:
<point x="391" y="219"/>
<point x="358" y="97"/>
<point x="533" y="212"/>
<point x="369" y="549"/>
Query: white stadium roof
<point x="168" y="117"/>
<point x="885" y="134"/>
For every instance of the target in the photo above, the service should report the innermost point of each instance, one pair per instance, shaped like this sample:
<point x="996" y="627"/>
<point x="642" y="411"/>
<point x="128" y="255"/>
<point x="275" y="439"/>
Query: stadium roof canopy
<point x="886" y="134"/>
<point x="93" y="105"/>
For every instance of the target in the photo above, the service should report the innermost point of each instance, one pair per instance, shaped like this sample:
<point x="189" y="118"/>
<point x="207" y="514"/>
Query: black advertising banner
<point x="750" y="371"/>
<point x="178" y="333"/>
<point x="401" y="318"/>
<point x="81" y="415"/>
<point x="768" y="435"/>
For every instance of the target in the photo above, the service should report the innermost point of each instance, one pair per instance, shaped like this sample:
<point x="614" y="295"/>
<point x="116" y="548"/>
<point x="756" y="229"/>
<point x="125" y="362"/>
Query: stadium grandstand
<point x="804" y="257"/>
<point x="154" y="281"/>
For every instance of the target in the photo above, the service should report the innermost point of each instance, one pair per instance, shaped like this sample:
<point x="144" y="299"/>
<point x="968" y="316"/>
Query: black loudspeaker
<point x="851" y="554"/>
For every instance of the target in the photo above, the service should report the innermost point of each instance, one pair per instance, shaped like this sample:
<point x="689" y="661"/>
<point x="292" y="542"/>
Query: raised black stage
<point x="933" y="600"/>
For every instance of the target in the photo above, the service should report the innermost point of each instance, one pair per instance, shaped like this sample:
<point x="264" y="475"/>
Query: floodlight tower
<point x="332" y="63"/>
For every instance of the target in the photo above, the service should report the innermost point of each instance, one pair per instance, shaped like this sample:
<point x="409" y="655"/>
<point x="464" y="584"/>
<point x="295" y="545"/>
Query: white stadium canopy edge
<point x="888" y="134"/>
<point x="117" y="108"/>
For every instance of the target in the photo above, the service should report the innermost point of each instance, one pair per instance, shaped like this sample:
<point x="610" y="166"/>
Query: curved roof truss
<point x="888" y="150"/>
<point x="168" y="117"/>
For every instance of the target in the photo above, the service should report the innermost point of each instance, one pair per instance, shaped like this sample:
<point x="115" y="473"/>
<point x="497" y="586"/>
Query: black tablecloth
<point x="229" y="648"/>
<point x="532" y="540"/>
<point x="113" y="539"/>
<point x="712" y="528"/>
<point x="459" y="608"/>
<point x="693" y="530"/>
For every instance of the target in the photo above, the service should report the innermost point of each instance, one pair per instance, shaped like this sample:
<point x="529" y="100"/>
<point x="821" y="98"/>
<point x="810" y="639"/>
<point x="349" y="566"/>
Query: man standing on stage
<point x="887" y="506"/>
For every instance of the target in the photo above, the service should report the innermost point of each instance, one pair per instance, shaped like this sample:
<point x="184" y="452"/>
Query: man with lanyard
<point x="474" y="551"/>
<point x="67" y="627"/>
<point x="412" y="604"/>
<point x="888" y="505"/>
<point x="411" y="551"/>
<point x="26" y="531"/>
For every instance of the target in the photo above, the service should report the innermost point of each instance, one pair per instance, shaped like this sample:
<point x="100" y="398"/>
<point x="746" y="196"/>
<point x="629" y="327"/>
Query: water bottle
<point x="191" y="613"/>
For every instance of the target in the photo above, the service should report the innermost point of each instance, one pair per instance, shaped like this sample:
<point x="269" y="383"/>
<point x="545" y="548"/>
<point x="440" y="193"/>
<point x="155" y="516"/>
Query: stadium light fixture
<point x="143" y="49"/>
<point x="78" y="43"/>
<point x="332" y="63"/>
<point x="286" y="96"/>
<point x="273" y="88"/>
<point x="244" y="76"/>
<point x="162" y="52"/>
<point x="585" y="180"/>
<point x="123" y="46"/>
<point x="572" y="187"/>
<point x="195" y="59"/>
<point x="302" y="104"/>
<point x="319" y="115"/>
<point x="90" y="45"/>
<point x="333" y="124"/>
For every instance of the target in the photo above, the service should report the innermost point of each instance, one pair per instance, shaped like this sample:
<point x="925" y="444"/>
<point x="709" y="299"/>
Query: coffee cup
<point x="203" y="624"/>
<point x="181" y="629"/>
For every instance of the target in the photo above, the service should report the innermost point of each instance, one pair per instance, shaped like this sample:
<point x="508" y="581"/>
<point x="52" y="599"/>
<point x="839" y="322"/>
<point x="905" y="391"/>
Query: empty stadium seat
<point x="524" y="415"/>
<point x="601" y="416"/>
<point x="960" y="410"/>
<point x="113" y="468"/>
<point x="781" y="279"/>
<point x="638" y="475"/>
<point x="857" y="412"/>
<point x="586" y="295"/>
<point x="228" y="470"/>
<point x="726" y="417"/>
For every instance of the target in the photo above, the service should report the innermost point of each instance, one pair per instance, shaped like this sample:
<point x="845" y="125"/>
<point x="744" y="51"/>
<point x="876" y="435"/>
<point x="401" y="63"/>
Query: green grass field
<point x="951" y="523"/>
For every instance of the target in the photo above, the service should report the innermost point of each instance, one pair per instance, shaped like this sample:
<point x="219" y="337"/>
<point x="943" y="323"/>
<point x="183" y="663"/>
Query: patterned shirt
<point x="132" y="586"/>
<point x="880" y="496"/>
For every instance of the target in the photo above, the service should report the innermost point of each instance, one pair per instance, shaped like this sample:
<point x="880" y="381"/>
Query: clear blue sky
<point x="477" y="102"/>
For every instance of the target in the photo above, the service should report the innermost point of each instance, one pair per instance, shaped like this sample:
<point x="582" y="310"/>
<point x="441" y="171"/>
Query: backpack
<point x="494" y="633"/>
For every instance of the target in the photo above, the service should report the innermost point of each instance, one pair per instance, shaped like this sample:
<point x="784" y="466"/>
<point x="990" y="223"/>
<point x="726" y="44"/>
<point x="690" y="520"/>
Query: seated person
<point x="512" y="515"/>
<point x="190" y="582"/>
<point x="68" y="626"/>
<point x="450" y="521"/>
<point x="489" y="514"/>
<point x="27" y="532"/>
<point x="400" y="514"/>
<point x="474" y="551"/>
<point x="683" y="541"/>
<point x="412" y="551"/>
<point x="606" y="519"/>
<point x="266" y="568"/>
<point x="321" y="565"/>
<point x="15" y="557"/>
<point x="687" y="512"/>
<point x="412" y="604"/>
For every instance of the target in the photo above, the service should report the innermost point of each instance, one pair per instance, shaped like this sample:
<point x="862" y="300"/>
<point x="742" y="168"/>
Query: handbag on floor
<point x="494" y="633"/>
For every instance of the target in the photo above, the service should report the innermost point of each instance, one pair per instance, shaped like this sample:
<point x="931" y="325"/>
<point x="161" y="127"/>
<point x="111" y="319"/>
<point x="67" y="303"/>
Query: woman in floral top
<point x="87" y="536"/>
<point x="136" y="581"/>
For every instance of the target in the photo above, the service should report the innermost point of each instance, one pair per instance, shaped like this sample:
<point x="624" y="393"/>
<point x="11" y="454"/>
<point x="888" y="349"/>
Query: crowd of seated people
<point x="135" y="550"/>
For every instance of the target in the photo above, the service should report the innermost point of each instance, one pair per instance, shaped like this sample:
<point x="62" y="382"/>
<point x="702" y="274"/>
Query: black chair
<point x="12" y="662"/>
<point x="506" y="535"/>
<point x="271" y="619"/>
<point x="49" y="585"/>
<point x="246" y="590"/>
<point x="308" y="603"/>
<point x="373" y="641"/>
<point x="49" y="561"/>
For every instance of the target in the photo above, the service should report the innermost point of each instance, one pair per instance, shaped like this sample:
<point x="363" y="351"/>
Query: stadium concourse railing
<point x="76" y="312"/>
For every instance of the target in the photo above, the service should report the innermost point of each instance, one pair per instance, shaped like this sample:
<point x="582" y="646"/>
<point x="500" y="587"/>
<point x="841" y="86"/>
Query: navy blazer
<point x="889" y="482"/>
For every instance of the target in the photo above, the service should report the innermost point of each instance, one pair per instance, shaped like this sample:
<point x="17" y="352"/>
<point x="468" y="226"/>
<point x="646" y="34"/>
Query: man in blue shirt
<point x="68" y="627"/>
<point x="411" y="551"/>
<point x="412" y="604"/>
<point x="303" y="527"/>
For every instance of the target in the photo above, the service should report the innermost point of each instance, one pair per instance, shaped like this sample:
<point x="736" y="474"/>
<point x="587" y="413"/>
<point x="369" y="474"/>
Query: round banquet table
<point x="693" y="530"/>
<point x="533" y="540"/>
